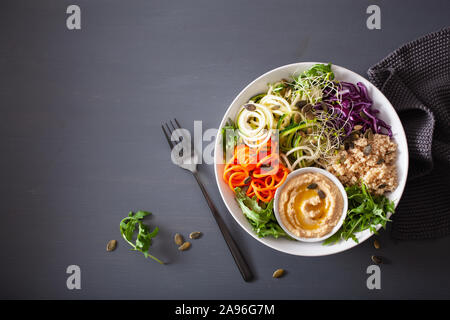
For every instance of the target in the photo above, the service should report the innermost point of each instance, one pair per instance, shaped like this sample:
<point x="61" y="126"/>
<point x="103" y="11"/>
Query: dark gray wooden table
<point x="81" y="144"/>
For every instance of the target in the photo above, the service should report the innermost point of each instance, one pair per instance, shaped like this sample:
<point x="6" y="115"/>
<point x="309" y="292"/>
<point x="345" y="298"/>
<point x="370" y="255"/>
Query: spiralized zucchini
<point x="306" y="134"/>
<point x="308" y="143"/>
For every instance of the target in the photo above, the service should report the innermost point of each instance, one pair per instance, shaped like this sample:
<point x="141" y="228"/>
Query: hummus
<point x="310" y="205"/>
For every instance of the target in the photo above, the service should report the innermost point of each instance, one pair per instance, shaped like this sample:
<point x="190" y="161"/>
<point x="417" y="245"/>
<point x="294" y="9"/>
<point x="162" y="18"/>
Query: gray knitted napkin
<point x="416" y="79"/>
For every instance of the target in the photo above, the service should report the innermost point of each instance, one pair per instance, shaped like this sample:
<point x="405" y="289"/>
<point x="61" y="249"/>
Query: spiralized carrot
<point x="258" y="169"/>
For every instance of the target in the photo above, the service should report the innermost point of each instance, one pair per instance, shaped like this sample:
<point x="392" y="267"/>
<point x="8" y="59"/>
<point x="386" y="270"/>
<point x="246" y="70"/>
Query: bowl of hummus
<point x="311" y="205"/>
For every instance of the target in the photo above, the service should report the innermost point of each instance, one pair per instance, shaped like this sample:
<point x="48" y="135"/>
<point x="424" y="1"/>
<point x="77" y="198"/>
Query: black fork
<point x="192" y="167"/>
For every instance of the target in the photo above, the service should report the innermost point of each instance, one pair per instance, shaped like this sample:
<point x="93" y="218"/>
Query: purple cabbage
<point x="352" y="107"/>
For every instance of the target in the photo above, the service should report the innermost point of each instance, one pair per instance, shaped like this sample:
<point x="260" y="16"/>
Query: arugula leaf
<point x="229" y="137"/>
<point x="144" y="237"/>
<point x="319" y="70"/>
<point x="364" y="212"/>
<point x="261" y="219"/>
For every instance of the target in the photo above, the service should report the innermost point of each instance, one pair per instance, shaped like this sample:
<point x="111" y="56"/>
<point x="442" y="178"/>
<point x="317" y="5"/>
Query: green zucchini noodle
<point x="309" y="143"/>
<point x="307" y="136"/>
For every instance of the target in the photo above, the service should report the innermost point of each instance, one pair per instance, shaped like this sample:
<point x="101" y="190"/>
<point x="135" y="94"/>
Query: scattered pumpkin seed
<point x="321" y="194"/>
<point x="377" y="259"/>
<point x="363" y="115"/>
<point x="247" y="180"/>
<point x="250" y="107"/>
<point x="380" y="161"/>
<point x="367" y="149"/>
<point x="349" y="145"/>
<point x="309" y="130"/>
<point x="278" y="273"/>
<point x="287" y="93"/>
<point x="178" y="239"/>
<point x="112" y="244"/>
<point x="276" y="107"/>
<point x="301" y="103"/>
<point x="312" y="186"/>
<point x="382" y="186"/>
<point x="357" y="127"/>
<point x="369" y="134"/>
<point x="184" y="246"/>
<point x="376" y="244"/>
<point x="195" y="235"/>
<point x="297" y="118"/>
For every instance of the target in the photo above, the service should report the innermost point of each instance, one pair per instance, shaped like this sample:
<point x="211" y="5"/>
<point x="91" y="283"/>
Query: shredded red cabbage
<point x="352" y="106"/>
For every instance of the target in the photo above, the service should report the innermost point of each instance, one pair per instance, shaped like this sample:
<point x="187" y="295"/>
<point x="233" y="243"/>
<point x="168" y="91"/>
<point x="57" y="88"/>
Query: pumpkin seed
<point x="363" y="115"/>
<point x="247" y="180"/>
<point x="178" y="239"/>
<point x="112" y="244"/>
<point x="297" y="118"/>
<point x="357" y="127"/>
<point x="324" y="106"/>
<point x="380" y="161"/>
<point x="376" y="244"/>
<point x="250" y="107"/>
<point x="377" y="259"/>
<point x="321" y="194"/>
<point x="369" y="134"/>
<point x="276" y="107"/>
<point x="195" y="235"/>
<point x="382" y="186"/>
<point x="349" y="145"/>
<point x="312" y="186"/>
<point x="301" y="103"/>
<point x="184" y="246"/>
<point x="367" y="150"/>
<point x="278" y="273"/>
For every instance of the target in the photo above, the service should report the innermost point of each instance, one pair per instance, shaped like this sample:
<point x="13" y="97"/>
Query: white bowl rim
<point x="334" y="180"/>
<point x="389" y="108"/>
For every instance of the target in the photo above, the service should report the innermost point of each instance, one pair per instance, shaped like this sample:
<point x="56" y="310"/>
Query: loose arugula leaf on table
<point x="364" y="212"/>
<point x="261" y="219"/>
<point x="144" y="236"/>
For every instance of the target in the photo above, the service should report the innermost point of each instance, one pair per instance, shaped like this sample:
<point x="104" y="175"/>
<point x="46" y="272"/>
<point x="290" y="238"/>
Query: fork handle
<point x="234" y="249"/>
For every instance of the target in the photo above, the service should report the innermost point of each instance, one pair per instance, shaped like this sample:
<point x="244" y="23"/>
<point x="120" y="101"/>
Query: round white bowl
<point x="259" y="85"/>
<point x="334" y="180"/>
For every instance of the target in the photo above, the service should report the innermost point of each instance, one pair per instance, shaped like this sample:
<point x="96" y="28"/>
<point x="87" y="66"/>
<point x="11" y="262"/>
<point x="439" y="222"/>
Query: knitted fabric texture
<point x="416" y="80"/>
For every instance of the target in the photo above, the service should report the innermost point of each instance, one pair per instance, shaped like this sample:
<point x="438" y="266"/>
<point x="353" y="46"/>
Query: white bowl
<point x="333" y="179"/>
<point x="387" y="113"/>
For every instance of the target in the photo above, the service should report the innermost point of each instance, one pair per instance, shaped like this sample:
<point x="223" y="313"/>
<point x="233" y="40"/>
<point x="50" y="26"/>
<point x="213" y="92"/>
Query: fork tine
<point x="168" y="129"/>
<point x="173" y="126"/>
<point x="167" y="137"/>
<point x="178" y="124"/>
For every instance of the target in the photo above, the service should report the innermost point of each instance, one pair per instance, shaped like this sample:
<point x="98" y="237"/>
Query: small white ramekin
<point x="329" y="176"/>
